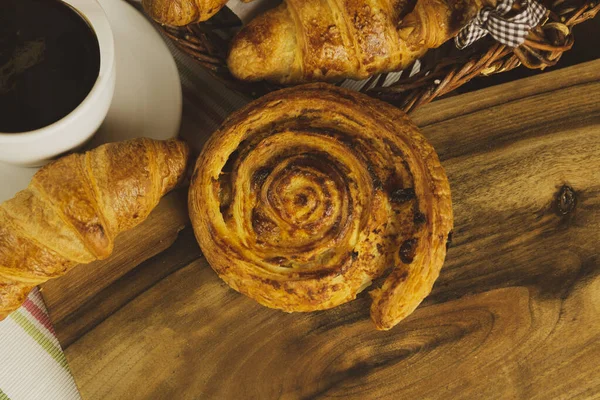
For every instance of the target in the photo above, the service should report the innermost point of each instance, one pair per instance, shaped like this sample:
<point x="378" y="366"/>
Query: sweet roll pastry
<point x="305" y="196"/>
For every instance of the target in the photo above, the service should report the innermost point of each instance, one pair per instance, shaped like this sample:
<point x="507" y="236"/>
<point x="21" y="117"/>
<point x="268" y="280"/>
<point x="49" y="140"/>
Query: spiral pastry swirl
<point x="305" y="196"/>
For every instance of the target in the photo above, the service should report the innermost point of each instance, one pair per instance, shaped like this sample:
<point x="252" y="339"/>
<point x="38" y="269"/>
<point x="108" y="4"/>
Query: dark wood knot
<point x="566" y="200"/>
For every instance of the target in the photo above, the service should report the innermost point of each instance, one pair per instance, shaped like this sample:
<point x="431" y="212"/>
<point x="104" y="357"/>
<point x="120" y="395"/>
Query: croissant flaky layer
<point x="327" y="40"/>
<point x="308" y="194"/>
<point x="74" y="208"/>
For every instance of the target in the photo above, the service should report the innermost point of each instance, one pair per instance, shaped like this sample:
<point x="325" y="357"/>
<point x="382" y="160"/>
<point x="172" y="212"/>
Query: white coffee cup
<point x="37" y="147"/>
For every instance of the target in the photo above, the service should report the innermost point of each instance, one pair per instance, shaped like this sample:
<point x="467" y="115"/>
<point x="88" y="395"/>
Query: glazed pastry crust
<point x="329" y="40"/>
<point x="305" y="196"/>
<point x="74" y="208"/>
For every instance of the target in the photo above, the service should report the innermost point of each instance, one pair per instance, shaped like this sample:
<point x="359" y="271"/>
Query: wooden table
<point x="514" y="313"/>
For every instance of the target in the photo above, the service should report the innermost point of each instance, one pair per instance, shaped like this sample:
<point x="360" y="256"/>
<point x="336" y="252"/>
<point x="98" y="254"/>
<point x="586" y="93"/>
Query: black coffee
<point x="49" y="62"/>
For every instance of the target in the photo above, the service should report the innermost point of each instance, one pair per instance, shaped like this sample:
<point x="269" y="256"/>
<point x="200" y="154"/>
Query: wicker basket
<point x="441" y="71"/>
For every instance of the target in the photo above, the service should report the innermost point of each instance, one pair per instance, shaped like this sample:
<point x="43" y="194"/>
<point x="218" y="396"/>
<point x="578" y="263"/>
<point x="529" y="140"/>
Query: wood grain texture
<point x="513" y="314"/>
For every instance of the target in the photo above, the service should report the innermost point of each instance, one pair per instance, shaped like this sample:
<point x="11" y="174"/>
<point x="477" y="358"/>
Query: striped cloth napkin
<point x="33" y="365"/>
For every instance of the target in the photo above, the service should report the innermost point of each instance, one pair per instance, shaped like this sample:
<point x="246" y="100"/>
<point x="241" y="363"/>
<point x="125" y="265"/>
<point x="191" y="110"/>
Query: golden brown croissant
<point x="74" y="208"/>
<point x="327" y="40"/>
<point x="305" y="196"/>
<point x="182" y="12"/>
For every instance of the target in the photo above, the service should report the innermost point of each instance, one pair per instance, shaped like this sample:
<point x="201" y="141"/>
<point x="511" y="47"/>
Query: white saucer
<point x="147" y="100"/>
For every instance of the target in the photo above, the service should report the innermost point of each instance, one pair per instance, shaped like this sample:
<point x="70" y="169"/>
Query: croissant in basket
<point x="308" y="194"/>
<point x="182" y="12"/>
<point x="327" y="40"/>
<point x="75" y="207"/>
